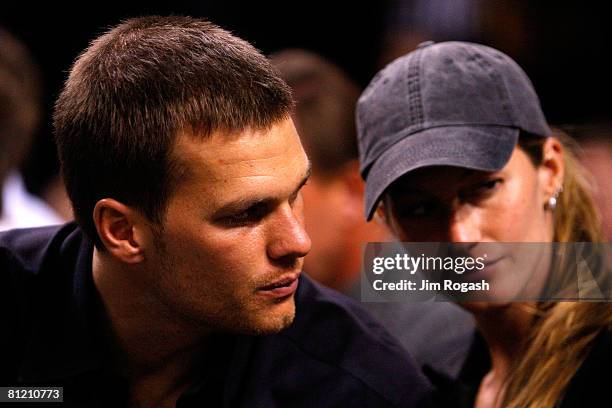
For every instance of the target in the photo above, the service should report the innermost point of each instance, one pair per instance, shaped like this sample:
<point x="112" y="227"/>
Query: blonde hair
<point x="563" y="331"/>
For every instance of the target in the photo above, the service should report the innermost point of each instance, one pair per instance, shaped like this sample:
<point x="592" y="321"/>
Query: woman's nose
<point x="464" y="224"/>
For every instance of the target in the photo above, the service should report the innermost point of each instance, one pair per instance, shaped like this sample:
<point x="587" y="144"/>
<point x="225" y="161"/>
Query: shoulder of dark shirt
<point x="335" y="330"/>
<point x="590" y="385"/>
<point x="23" y="254"/>
<point x="329" y="328"/>
<point x="25" y="249"/>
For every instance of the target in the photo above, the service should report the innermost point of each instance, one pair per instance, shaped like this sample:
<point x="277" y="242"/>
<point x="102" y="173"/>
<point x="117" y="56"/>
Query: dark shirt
<point x="437" y="334"/>
<point x="588" y="387"/>
<point x="53" y="334"/>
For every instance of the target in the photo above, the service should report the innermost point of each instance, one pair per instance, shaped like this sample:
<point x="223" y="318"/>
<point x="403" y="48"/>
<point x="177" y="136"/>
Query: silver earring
<point x="552" y="201"/>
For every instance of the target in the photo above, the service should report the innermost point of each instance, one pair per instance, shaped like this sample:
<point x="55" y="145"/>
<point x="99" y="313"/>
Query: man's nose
<point x="288" y="238"/>
<point x="464" y="224"/>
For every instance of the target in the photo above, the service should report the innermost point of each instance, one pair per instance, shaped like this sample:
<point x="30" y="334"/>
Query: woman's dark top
<point x="588" y="388"/>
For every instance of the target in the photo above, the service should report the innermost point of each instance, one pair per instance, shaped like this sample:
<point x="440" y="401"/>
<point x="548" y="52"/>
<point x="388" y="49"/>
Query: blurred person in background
<point x="19" y="117"/>
<point x="596" y="156"/>
<point x="436" y="334"/>
<point x="410" y="22"/>
<point x="455" y="148"/>
<point x="324" y="117"/>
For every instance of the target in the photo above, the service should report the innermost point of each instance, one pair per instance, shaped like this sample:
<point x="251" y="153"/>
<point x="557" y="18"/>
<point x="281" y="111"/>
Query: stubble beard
<point x="241" y="320"/>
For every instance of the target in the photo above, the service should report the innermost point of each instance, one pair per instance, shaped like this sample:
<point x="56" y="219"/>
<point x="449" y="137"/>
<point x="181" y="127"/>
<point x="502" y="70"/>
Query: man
<point x="436" y="334"/>
<point x="181" y="284"/>
<point x="324" y="116"/>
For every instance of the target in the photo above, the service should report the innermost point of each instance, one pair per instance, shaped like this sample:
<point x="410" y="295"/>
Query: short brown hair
<point x="135" y="87"/>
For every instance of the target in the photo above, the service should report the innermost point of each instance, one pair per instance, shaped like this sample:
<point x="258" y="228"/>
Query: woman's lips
<point x="489" y="269"/>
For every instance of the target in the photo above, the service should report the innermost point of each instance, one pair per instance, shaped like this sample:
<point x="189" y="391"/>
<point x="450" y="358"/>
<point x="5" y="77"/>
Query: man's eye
<point x="248" y="216"/>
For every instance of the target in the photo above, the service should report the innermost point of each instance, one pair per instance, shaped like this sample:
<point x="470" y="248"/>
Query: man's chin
<point x="275" y="321"/>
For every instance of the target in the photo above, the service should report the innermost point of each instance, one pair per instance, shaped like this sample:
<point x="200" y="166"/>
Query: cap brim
<point x="486" y="148"/>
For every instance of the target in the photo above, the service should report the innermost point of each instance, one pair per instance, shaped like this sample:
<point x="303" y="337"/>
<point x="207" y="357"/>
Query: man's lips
<point x="282" y="287"/>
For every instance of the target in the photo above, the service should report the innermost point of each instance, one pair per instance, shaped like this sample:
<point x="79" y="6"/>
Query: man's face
<point x="233" y="241"/>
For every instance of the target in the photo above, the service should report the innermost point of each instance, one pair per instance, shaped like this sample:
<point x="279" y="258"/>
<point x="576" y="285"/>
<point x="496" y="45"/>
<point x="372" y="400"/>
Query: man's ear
<point x="120" y="230"/>
<point x="552" y="168"/>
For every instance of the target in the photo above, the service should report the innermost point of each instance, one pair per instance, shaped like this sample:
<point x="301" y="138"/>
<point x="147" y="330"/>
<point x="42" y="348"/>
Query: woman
<point x="454" y="147"/>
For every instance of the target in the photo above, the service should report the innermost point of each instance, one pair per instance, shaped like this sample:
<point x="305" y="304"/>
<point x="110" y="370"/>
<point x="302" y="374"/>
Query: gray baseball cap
<point x="446" y="104"/>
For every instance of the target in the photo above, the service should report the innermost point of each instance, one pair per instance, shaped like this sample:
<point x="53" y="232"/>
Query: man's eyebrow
<point x="305" y="178"/>
<point x="242" y="204"/>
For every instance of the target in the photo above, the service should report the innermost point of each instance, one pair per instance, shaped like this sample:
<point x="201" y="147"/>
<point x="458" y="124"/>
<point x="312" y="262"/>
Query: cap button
<point x="425" y="44"/>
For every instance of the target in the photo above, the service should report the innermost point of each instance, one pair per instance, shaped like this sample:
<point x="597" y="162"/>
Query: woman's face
<point x="450" y="204"/>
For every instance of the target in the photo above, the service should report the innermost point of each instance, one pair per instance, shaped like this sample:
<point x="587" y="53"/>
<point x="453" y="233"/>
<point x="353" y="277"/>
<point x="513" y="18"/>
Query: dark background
<point x="563" y="45"/>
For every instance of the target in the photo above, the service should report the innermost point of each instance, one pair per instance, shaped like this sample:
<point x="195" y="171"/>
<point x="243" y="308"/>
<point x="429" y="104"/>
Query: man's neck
<point x="149" y="345"/>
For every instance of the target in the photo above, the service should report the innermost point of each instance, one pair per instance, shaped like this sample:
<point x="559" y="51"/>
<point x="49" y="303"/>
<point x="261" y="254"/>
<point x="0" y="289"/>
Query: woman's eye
<point x="485" y="188"/>
<point x="415" y="210"/>
<point x="418" y="210"/>
<point x="488" y="185"/>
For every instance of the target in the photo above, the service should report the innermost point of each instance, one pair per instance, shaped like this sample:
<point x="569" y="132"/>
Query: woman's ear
<point x="552" y="169"/>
